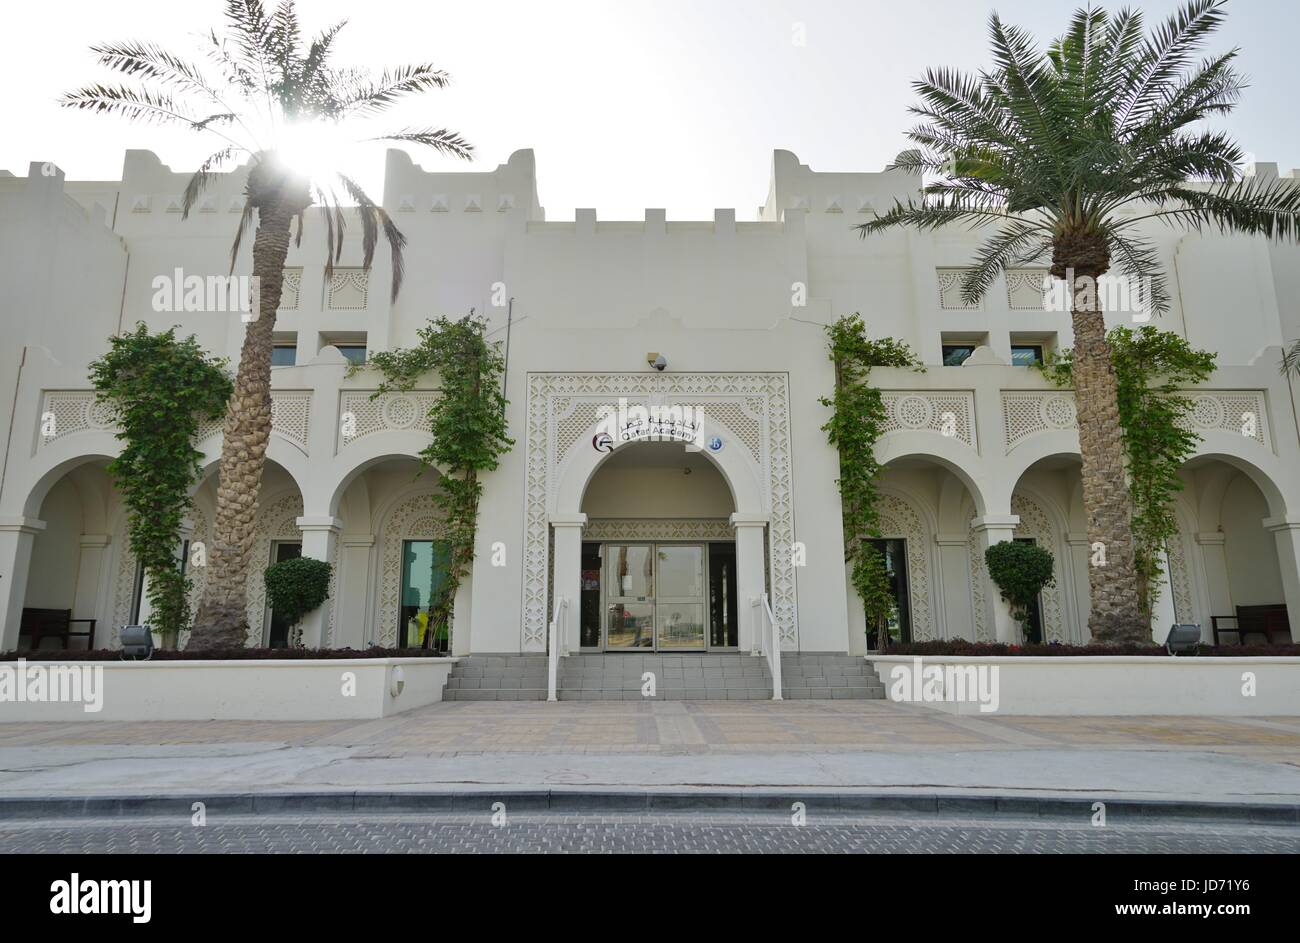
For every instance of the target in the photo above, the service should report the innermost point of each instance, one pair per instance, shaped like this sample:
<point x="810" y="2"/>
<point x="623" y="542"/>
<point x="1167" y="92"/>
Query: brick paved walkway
<point x="677" y="834"/>
<point x="832" y="743"/>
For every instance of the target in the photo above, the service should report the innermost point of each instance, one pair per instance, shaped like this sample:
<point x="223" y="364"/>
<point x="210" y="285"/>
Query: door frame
<point x="606" y="596"/>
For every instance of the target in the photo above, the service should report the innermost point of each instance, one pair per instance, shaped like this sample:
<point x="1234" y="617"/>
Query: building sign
<point x="639" y="423"/>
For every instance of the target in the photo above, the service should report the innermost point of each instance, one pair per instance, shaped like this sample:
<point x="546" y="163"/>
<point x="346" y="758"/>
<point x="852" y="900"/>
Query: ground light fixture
<point x="137" y="642"/>
<point x="1183" y="638"/>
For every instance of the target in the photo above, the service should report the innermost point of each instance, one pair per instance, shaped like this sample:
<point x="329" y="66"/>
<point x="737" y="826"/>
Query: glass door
<point x="680" y="599"/>
<point x="629" y="596"/>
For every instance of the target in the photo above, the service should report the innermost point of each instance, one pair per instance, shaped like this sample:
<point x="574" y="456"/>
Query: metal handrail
<point x="553" y="649"/>
<point x="770" y="642"/>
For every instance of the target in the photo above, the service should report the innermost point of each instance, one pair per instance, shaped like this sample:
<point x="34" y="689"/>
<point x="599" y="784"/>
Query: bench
<point x="1269" y="621"/>
<point x="40" y="624"/>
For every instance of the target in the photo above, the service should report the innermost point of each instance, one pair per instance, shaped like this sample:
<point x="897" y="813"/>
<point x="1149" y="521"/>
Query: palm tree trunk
<point x="1116" y="614"/>
<point x="222" y="620"/>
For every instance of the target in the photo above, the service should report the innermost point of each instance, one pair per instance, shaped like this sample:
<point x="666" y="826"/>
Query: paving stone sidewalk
<point x="827" y="744"/>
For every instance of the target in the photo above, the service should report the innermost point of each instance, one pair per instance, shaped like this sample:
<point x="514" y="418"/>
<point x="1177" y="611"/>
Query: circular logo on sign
<point x="602" y="442"/>
<point x="715" y="444"/>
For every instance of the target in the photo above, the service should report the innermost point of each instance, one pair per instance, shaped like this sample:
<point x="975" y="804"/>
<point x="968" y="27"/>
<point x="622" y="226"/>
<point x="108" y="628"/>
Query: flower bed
<point x="229" y="654"/>
<point x="1001" y="650"/>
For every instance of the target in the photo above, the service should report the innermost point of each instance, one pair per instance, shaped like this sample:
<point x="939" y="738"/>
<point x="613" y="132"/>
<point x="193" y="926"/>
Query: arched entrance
<point x="658" y="554"/>
<point x="743" y="431"/>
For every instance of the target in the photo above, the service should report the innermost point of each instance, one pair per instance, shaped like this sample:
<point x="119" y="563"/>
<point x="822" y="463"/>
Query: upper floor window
<point x="1026" y="355"/>
<point x="954" y="355"/>
<point x="355" y="353"/>
<point x="284" y="355"/>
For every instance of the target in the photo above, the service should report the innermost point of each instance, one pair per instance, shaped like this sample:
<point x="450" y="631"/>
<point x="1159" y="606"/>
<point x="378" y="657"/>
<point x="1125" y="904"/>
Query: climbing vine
<point x="468" y="421"/>
<point x="857" y="421"/>
<point x="1150" y="368"/>
<point x="160" y="388"/>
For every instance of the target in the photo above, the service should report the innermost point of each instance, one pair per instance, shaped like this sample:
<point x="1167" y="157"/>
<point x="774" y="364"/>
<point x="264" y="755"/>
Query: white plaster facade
<point x="975" y="454"/>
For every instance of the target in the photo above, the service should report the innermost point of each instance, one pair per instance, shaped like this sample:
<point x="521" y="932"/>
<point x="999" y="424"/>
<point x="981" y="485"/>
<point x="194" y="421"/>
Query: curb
<point x="577" y="801"/>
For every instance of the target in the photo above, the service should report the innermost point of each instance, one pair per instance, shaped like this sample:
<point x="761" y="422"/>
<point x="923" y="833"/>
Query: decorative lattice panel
<point x="950" y="414"/>
<point x="949" y="280"/>
<point x="1027" y="289"/>
<point x="348" y="289"/>
<point x="635" y="528"/>
<point x="1241" y="412"/>
<point x="291" y="292"/>
<point x="1027" y="413"/>
<point x="979" y="576"/>
<point x="362" y="413"/>
<point x="67" y="412"/>
<point x="753" y="408"/>
<point x="1180" y="580"/>
<point x="899" y="519"/>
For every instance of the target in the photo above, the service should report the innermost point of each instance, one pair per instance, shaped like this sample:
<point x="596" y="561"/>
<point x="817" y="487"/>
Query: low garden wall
<point x="243" y="689"/>
<point x="1107" y="685"/>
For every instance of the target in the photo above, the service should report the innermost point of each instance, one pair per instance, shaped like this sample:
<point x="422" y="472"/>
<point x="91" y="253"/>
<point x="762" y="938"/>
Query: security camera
<point x="659" y="363"/>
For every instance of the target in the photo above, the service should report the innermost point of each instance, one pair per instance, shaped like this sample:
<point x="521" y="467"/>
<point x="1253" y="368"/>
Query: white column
<point x="1214" y="559"/>
<point x="567" y="569"/>
<point x="958" y="617"/>
<point x="995" y="529"/>
<point x="352" y="591"/>
<point x="90" y="571"/>
<point x="750" y="532"/>
<point x="16" y="537"/>
<point x="1163" y="614"/>
<point x="1286" y="531"/>
<point x="1080" y="554"/>
<point x="320" y="535"/>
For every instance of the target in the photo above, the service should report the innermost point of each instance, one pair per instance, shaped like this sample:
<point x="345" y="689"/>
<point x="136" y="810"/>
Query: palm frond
<point x="440" y="139"/>
<point x="199" y="181"/>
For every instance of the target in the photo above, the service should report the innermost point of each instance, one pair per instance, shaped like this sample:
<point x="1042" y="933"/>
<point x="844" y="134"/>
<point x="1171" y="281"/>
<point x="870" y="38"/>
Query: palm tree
<point x="1069" y="153"/>
<point x="284" y="107"/>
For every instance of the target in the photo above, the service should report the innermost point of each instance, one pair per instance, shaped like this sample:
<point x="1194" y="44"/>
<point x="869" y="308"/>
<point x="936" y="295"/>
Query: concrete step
<point x="617" y="676"/>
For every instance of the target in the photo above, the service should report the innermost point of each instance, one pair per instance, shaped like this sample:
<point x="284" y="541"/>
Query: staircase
<point x="678" y="677"/>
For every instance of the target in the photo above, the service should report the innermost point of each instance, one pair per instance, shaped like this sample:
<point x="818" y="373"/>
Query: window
<point x="425" y="565"/>
<point x="355" y="353"/>
<point x="284" y="355"/>
<point x="1026" y="355"/>
<point x="954" y="355"/>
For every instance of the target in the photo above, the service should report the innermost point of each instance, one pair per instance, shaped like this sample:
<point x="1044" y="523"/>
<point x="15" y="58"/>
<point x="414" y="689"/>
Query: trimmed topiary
<point x="1020" y="571"/>
<point x="296" y="587"/>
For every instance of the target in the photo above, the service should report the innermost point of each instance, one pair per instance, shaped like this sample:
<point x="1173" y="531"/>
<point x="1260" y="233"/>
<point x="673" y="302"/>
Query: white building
<point x="980" y="452"/>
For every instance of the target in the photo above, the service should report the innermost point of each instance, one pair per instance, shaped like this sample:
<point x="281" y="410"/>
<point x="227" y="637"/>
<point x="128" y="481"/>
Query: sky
<point x="627" y="104"/>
